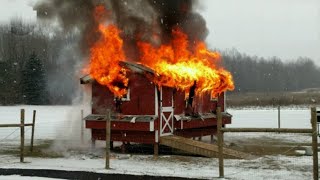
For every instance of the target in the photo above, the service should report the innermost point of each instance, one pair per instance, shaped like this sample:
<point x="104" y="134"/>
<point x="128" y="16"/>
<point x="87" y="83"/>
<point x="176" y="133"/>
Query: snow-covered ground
<point x="63" y="122"/>
<point x="268" y="118"/>
<point x="269" y="167"/>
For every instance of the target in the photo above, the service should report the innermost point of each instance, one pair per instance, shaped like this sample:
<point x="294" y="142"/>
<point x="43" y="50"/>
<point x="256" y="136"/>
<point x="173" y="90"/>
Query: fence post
<point x="108" y="133"/>
<point x="81" y="126"/>
<point x="22" y="135"/>
<point x="279" y="117"/>
<point x="32" y="130"/>
<point x="314" y="143"/>
<point x="220" y="142"/>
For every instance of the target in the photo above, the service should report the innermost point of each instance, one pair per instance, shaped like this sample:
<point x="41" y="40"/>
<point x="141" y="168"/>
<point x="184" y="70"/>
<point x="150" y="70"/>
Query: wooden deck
<point x="200" y="148"/>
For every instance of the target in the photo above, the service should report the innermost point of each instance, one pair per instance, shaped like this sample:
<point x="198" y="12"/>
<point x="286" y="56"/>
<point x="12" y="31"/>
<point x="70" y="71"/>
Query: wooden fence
<point x="22" y="125"/>
<point x="312" y="131"/>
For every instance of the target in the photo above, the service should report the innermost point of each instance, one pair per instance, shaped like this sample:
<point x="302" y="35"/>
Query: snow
<point x="51" y="121"/>
<point x="268" y="118"/>
<point x="269" y="167"/>
<point x="62" y="122"/>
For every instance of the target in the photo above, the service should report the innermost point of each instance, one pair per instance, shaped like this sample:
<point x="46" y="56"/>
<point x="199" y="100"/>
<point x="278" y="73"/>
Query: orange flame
<point x="104" y="60"/>
<point x="178" y="64"/>
<point x="180" y="68"/>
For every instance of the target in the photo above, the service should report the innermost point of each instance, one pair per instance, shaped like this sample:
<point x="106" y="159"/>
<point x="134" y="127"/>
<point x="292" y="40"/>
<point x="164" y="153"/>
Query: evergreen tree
<point x="34" y="82"/>
<point x="4" y="83"/>
<point x="9" y="83"/>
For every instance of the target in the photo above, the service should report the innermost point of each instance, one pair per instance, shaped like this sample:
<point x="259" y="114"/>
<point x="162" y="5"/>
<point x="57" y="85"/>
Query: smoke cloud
<point x="146" y="20"/>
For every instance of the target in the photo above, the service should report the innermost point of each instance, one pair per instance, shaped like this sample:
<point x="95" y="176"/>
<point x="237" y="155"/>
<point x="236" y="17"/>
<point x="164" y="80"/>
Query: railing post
<point x="108" y="129"/>
<point x="81" y="123"/>
<point x="22" y="135"/>
<point x="314" y="143"/>
<point x="220" y="142"/>
<point x="279" y="117"/>
<point x="32" y="130"/>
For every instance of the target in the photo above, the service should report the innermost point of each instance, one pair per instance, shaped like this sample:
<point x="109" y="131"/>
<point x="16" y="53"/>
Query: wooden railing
<point x="22" y="125"/>
<point x="312" y="131"/>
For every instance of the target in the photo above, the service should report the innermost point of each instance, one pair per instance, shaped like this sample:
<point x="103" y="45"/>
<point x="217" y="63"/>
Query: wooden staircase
<point x="200" y="148"/>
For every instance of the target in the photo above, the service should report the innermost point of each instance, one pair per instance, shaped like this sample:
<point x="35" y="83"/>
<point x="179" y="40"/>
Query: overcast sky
<point x="284" y="28"/>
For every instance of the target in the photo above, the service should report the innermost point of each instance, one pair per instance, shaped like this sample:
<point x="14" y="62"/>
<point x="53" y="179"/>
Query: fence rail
<point x="15" y="125"/>
<point x="283" y="130"/>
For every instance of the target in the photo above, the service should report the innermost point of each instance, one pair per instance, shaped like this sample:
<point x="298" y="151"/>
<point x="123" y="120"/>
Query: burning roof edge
<point x="136" y="67"/>
<point x="86" y="79"/>
<point x="131" y="65"/>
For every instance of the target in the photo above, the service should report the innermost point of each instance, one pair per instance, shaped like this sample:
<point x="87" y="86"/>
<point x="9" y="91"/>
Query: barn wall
<point x="179" y="102"/>
<point x="102" y="99"/>
<point x="167" y="96"/>
<point x="142" y="99"/>
<point x="204" y="104"/>
<point x="142" y="96"/>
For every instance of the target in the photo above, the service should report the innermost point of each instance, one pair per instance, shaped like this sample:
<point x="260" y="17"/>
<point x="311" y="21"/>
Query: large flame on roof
<point x="179" y="64"/>
<point x="180" y="67"/>
<point x="105" y="55"/>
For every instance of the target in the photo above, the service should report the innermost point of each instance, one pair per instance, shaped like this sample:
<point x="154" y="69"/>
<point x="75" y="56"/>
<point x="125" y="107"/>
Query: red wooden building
<point x="148" y="112"/>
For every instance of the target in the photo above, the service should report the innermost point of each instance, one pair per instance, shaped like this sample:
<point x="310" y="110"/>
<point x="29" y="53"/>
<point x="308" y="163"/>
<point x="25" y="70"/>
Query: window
<point x="212" y="98"/>
<point x="125" y="97"/>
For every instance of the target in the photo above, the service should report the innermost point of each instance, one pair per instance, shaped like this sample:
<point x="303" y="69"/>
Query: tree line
<point x="41" y="67"/>
<point x="258" y="74"/>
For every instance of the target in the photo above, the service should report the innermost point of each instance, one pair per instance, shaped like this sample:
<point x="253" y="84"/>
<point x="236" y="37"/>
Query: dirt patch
<point x="41" y="149"/>
<point x="262" y="146"/>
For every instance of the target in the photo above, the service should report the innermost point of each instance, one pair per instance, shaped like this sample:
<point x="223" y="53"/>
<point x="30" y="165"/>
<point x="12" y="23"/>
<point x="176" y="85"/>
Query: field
<point x="58" y="146"/>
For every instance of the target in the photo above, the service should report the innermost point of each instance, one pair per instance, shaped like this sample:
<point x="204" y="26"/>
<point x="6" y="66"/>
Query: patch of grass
<point x="39" y="150"/>
<point x="266" y="146"/>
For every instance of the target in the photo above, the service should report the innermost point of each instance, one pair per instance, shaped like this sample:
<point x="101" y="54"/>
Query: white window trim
<point x="126" y="98"/>
<point x="213" y="98"/>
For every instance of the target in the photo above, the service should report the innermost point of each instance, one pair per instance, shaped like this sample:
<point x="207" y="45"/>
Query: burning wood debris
<point x="165" y="36"/>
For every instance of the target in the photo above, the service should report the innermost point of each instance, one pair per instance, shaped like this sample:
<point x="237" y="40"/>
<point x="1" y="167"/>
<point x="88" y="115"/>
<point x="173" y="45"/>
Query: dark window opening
<point x="189" y="109"/>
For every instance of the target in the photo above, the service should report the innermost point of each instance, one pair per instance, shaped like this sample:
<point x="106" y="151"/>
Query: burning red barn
<point x="170" y="86"/>
<point x="148" y="112"/>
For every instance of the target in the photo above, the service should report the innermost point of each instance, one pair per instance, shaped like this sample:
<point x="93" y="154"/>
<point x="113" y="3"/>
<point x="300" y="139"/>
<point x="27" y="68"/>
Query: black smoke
<point x="180" y="13"/>
<point x="147" y="20"/>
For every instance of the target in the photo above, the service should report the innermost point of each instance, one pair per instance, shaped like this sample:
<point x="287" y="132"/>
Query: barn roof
<point x="135" y="67"/>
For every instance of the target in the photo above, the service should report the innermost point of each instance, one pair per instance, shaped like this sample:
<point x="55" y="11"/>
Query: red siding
<point x="142" y="97"/>
<point x="126" y="136"/>
<point x="118" y="125"/>
<point x="167" y="96"/>
<point x="102" y="99"/>
<point x="202" y="103"/>
<point x="179" y="102"/>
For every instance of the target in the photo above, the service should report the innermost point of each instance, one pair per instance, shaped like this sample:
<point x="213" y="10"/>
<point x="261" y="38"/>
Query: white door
<point x="166" y="111"/>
